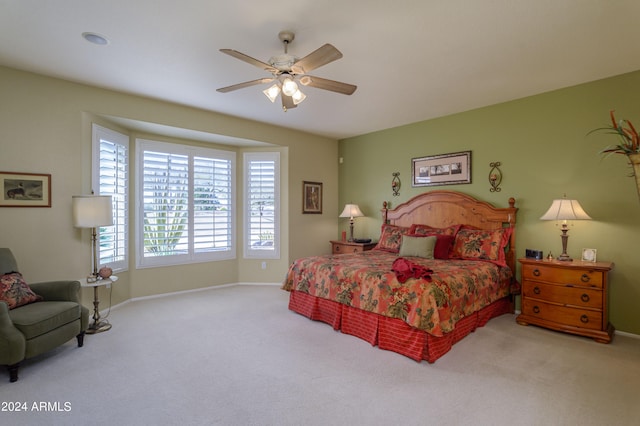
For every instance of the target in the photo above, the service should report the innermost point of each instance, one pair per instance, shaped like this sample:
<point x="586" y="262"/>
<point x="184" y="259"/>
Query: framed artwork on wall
<point x="311" y="197"/>
<point x="444" y="169"/>
<point x="25" y="190"/>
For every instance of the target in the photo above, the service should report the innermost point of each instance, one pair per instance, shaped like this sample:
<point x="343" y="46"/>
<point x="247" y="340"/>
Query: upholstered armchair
<point x="52" y="315"/>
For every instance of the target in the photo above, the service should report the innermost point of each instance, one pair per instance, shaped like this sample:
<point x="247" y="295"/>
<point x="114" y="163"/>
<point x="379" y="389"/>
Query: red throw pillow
<point x="15" y="291"/>
<point x="444" y="244"/>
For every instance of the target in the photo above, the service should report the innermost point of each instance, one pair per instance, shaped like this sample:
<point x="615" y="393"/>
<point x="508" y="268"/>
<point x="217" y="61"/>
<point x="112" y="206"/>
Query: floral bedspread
<point x="365" y="281"/>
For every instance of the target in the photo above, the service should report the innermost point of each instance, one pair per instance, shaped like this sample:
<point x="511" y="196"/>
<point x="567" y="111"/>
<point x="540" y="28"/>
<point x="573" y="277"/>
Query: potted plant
<point x="628" y="144"/>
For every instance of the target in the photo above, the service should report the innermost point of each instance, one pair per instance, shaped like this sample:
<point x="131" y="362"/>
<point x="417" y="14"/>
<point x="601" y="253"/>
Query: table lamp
<point x="564" y="210"/>
<point x="351" y="211"/>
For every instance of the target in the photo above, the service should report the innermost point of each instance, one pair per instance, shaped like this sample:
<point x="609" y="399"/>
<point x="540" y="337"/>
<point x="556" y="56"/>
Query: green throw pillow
<point x="418" y="246"/>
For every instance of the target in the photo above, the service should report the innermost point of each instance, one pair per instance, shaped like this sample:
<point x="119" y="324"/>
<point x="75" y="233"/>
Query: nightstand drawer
<point x="577" y="277"/>
<point x="582" y="318"/>
<point x="342" y="247"/>
<point x="564" y="295"/>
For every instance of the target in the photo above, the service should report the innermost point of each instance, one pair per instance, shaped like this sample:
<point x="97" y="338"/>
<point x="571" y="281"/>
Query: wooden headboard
<point x="445" y="208"/>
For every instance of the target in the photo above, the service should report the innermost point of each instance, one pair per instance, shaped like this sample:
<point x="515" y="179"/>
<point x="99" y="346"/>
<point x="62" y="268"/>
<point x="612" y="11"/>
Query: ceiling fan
<point x="286" y="69"/>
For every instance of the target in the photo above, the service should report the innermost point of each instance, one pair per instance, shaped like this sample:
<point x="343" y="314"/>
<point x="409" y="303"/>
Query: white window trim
<point x="151" y="262"/>
<point x="249" y="253"/>
<point x="97" y="133"/>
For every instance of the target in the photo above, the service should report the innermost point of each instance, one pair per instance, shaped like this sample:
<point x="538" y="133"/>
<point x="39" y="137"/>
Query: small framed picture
<point x="25" y="190"/>
<point x="311" y="197"/>
<point x="589" y="255"/>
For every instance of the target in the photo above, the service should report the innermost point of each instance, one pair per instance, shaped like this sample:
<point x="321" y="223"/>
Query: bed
<point x="443" y="266"/>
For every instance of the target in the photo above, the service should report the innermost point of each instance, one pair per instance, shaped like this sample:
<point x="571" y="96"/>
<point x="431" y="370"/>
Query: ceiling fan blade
<point x="245" y="84"/>
<point x="287" y="102"/>
<point x="315" y="59"/>
<point x="332" y="85"/>
<point x="248" y="59"/>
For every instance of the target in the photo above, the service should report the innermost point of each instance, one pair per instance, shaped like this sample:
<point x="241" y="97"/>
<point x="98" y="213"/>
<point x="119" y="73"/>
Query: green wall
<point x="542" y="144"/>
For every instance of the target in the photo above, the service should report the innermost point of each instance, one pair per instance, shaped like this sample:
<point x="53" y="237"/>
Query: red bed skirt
<point x="390" y="333"/>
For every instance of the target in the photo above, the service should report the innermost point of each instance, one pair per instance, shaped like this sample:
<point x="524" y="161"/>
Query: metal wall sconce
<point x="395" y="183"/>
<point x="495" y="177"/>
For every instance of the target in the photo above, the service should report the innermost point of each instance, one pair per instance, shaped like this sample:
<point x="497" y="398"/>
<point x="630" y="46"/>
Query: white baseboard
<point x="624" y="333"/>
<point x="156" y="296"/>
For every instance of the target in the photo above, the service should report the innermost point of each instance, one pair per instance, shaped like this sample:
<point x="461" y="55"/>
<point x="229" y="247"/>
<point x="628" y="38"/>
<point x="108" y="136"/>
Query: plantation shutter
<point x="166" y="203"/>
<point x="262" y="205"/>
<point x="111" y="177"/>
<point x="186" y="205"/>
<point x="212" y="204"/>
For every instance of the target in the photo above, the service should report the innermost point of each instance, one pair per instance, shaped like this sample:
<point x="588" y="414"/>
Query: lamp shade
<point x="351" y="210"/>
<point x="289" y="87"/>
<point x="272" y="92"/>
<point x="564" y="209"/>
<point x="298" y="97"/>
<point x="92" y="211"/>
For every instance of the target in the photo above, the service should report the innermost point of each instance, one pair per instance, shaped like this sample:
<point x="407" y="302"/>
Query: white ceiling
<point x="412" y="60"/>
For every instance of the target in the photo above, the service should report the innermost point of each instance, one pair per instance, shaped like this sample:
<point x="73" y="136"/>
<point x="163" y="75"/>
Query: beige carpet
<point x="237" y="356"/>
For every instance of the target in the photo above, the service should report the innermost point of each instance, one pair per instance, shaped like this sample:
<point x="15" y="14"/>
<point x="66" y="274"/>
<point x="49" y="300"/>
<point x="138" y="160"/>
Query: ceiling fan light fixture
<point x="289" y="72"/>
<point x="289" y="87"/>
<point x="272" y="92"/>
<point x="298" y="97"/>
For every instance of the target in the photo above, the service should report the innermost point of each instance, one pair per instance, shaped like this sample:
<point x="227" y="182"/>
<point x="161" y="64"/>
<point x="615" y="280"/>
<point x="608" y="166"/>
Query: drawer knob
<point x="536" y="272"/>
<point x="536" y="290"/>
<point x="536" y="310"/>
<point x="585" y="278"/>
<point x="584" y="319"/>
<point x="585" y="297"/>
<point x="338" y="248"/>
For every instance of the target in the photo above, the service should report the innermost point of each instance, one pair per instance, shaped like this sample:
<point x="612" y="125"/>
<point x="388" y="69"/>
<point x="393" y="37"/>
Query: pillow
<point x="15" y="291"/>
<point x="419" y="229"/>
<point x="444" y="244"/>
<point x="479" y="244"/>
<point x="417" y="246"/>
<point x="391" y="238"/>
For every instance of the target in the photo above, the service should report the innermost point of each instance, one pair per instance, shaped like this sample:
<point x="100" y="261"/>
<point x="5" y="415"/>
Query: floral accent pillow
<point x="479" y="244"/>
<point x="418" y="229"/>
<point x="15" y="291"/>
<point x="391" y="238"/>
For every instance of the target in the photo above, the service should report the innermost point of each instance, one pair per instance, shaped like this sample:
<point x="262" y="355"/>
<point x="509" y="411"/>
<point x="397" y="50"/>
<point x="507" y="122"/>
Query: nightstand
<point x="341" y="247"/>
<point x="566" y="296"/>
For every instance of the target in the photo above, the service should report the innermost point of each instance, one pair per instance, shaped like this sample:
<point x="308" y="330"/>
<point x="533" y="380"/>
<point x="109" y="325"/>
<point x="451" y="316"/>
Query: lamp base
<point x="351" y="230"/>
<point x="564" y="257"/>
<point x="98" y="327"/>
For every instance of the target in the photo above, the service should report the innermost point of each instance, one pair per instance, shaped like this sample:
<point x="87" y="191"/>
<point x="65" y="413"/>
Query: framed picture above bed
<point x="311" y="197"/>
<point x="444" y="169"/>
